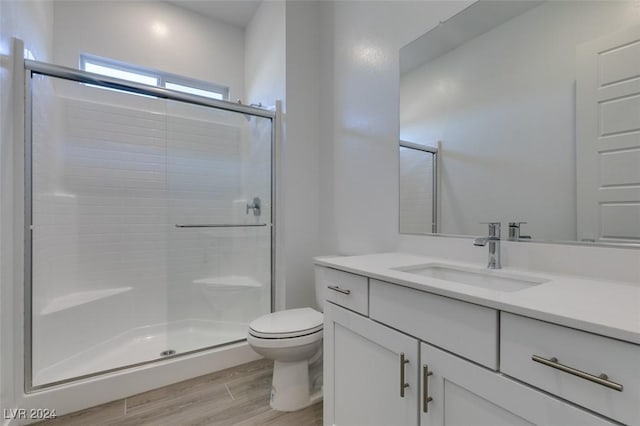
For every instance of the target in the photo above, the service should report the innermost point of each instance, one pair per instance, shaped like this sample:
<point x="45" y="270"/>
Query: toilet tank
<point x="321" y="288"/>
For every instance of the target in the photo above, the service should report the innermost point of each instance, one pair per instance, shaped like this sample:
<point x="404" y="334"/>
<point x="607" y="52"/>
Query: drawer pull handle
<point x="338" y="289"/>
<point x="403" y="384"/>
<point x="602" y="379"/>
<point x="425" y="388"/>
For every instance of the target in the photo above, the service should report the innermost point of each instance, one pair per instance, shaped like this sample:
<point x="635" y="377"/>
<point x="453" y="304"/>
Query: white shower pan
<point x="141" y="345"/>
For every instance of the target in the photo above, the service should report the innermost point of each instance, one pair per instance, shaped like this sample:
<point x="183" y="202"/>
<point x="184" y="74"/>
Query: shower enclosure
<point x="148" y="223"/>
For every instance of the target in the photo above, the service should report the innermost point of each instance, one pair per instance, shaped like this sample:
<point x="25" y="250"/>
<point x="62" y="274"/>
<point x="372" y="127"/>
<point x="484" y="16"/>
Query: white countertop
<point x="609" y="308"/>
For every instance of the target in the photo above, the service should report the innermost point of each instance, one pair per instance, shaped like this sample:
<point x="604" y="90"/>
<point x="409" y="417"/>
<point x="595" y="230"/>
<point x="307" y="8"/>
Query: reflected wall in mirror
<point x="537" y="108"/>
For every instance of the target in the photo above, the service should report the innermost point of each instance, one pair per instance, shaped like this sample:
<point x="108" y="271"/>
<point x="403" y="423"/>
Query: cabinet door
<point x="464" y="394"/>
<point x="363" y="372"/>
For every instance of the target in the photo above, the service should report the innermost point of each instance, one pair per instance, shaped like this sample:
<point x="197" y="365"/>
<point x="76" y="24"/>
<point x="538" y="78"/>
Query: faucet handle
<point x="494" y="228"/>
<point x="514" y="231"/>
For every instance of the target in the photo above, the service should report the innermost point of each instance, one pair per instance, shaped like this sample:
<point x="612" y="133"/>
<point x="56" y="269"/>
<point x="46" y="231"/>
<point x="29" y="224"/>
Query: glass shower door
<point x="150" y="228"/>
<point x="219" y="250"/>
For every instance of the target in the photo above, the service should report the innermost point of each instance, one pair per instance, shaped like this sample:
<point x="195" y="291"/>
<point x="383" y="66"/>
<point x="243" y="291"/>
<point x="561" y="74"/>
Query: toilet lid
<point x="289" y="323"/>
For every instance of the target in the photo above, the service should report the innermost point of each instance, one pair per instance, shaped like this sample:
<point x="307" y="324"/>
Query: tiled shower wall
<point x="113" y="173"/>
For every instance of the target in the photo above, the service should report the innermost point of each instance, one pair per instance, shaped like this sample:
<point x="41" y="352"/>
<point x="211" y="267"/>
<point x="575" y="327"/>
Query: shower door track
<point x="141" y="89"/>
<point x="36" y="67"/>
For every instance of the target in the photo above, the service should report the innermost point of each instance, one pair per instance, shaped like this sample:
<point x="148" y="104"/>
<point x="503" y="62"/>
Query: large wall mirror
<point x="524" y="111"/>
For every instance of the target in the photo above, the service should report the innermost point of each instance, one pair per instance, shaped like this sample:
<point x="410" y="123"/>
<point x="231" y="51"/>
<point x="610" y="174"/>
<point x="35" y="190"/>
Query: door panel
<point x="363" y="372"/>
<point x="608" y="137"/>
<point x="477" y="411"/>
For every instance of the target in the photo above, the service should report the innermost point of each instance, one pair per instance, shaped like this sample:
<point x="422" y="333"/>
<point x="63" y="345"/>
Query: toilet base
<point x="290" y="386"/>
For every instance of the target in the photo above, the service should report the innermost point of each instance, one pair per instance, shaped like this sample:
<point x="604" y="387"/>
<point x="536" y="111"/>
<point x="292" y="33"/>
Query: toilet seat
<point x="292" y="323"/>
<point x="285" y="343"/>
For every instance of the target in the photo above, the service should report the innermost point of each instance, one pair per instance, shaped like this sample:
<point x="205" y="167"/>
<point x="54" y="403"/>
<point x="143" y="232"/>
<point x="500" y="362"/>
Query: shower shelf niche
<point x="230" y="295"/>
<point x="229" y="282"/>
<point x="78" y="298"/>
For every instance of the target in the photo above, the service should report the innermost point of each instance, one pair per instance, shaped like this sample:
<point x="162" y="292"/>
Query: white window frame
<point x="162" y="77"/>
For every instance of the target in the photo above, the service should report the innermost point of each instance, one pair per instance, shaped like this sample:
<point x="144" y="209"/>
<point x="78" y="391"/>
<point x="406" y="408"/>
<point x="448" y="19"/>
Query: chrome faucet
<point x="494" y="245"/>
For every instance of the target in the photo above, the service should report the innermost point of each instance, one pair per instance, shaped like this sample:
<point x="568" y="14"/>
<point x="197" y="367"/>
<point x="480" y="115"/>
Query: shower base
<point x="140" y="345"/>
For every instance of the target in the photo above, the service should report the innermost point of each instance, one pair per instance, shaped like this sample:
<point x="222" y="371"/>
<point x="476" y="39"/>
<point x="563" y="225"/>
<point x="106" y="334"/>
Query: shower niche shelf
<point x="229" y="282"/>
<point x="79" y="298"/>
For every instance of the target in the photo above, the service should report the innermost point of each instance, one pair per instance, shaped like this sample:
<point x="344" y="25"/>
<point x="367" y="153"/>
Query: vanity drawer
<point x="586" y="354"/>
<point x="468" y="330"/>
<point x="345" y="289"/>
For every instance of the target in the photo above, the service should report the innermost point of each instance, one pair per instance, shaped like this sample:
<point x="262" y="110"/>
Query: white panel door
<point x="608" y="137"/>
<point x="465" y="394"/>
<point x="363" y="372"/>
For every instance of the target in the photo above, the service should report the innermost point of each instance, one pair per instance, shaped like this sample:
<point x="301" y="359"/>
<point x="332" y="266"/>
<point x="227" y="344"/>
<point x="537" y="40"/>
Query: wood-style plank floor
<point x="236" y="396"/>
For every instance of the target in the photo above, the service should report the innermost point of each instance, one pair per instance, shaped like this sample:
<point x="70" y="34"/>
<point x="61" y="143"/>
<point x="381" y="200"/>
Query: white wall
<point x="193" y="45"/>
<point x="265" y="63"/>
<point x="359" y="139"/>
<point x="301" y="206"/>
<point x="503" y="105"/>
<point x="31" y="22"/>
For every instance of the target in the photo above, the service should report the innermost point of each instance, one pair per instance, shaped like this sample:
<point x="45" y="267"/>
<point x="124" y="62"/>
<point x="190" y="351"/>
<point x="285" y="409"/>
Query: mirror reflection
<point x="419" y="189"/>
<point x="533" y="109"/>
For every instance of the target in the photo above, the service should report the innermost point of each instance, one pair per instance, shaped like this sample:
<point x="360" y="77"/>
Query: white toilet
<point x="293" y="339"/>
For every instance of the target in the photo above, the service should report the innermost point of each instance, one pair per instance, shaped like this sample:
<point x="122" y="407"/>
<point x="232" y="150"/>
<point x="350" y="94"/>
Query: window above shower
<point x="137" y="74"/>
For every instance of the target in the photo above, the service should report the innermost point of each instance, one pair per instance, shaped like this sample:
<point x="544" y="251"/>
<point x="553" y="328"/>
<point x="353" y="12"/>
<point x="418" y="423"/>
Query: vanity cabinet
<point x="372" y="372"/>
<point x="345" y="289"/>
<point x="468" y="330"/>
<point x="465" y="394"/>
<point x="411" y="357"/>
<point x="590" y="370"/>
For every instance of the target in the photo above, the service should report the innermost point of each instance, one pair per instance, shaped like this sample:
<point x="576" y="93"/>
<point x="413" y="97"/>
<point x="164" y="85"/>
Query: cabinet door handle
<point x="403" y="384"/>
<point x="426" y="399"/>
<point x="338" y="289"/>
<point x="602" y="379"/>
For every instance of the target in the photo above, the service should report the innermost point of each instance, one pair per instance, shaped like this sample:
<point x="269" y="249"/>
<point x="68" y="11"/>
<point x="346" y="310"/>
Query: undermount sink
<point x="489" y="279"/>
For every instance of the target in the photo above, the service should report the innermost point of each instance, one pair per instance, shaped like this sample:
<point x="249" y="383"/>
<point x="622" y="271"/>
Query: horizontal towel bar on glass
<point x="221" y="225"/>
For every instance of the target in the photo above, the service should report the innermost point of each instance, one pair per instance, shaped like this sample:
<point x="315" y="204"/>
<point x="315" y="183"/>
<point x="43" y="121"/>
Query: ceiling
<point x="235" y="12"/>
<point x="473" y="21"/>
